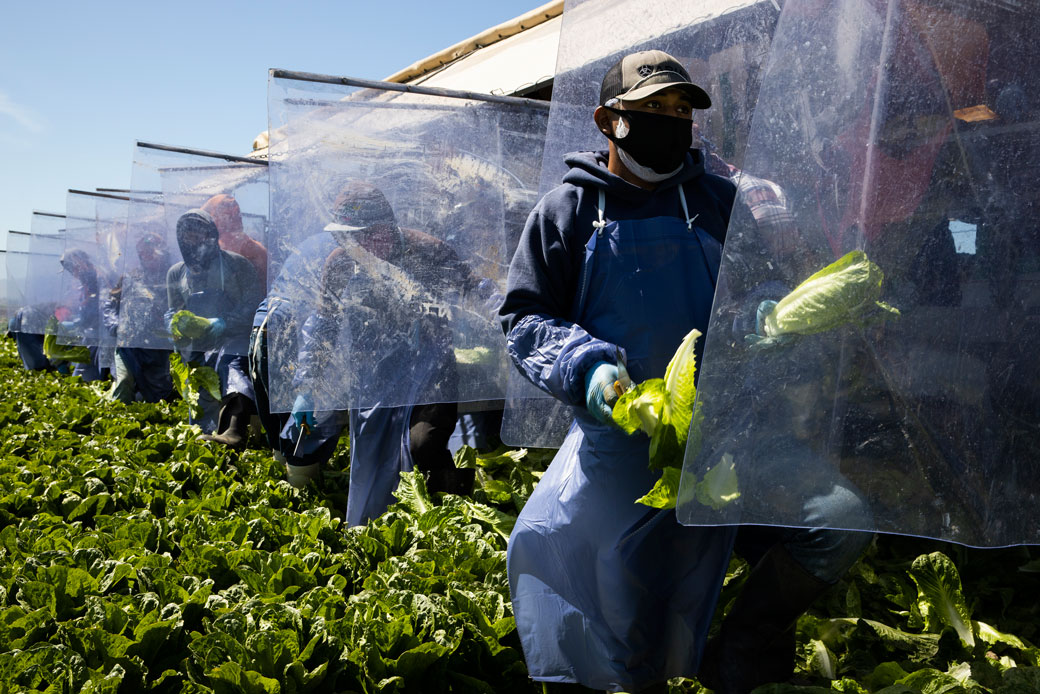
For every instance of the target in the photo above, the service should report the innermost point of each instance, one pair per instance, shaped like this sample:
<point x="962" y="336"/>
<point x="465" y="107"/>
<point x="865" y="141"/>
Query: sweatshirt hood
<point x="589" y="169"/>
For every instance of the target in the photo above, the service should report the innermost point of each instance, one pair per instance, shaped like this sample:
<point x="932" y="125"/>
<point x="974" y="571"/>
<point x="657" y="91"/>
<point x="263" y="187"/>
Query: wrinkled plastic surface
<point x="5" y="311"/>
<point x="166" y="185"/>
<point x="409" y="317"/>
<point x="16" y="260"/>
<point x="906" y="129"/>
<point x="43" y="272"/>
<point x="723" y="44"/>
<point x="86" y="273"/>
<point x="111" y="213"/>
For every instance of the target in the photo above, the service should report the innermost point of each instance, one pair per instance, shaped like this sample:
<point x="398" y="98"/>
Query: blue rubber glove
<point x="303" y="411"/>
<point x="764" y="309"/>
<point x="599" y="391"/>
<point x="759" y="340"/>
<point x="215" y="329"/>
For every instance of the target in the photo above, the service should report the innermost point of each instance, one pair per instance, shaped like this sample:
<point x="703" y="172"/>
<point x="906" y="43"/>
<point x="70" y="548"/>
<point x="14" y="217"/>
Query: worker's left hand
<point x="759" y="340"/>
<point x="303" y="411"/>
<point x="216" y="328"/>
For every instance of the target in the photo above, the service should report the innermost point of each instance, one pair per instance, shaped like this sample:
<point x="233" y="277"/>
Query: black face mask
<point x="654" y="140"/>
<point x="198" y="257"/>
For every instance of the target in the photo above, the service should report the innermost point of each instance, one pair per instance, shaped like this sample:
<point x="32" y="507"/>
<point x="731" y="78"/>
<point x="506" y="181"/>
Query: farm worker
<point x="385" y="440"/>
<point x="620" y="259"/>
<point x="222" y="287"/>
<point x="84" y="323"/>
<point x="278" y="313"/>
<point x="228" y="217"/>
<point x="140" y="371"/>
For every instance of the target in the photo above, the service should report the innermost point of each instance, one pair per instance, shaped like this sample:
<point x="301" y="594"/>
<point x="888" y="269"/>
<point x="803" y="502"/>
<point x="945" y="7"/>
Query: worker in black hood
<point x="197" y="238"/>
<point x="223" y="288"/>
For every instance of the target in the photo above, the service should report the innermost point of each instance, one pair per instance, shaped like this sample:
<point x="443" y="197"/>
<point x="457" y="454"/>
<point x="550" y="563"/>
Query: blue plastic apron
<point x="606" y="592"/>
<point x="379" y="453"/>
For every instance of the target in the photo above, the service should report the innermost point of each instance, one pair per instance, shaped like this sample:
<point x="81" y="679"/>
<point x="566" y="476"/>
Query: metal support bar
<point x="98" y="195"/>
<point x="409" y="89"/>
<point x="202" y="153"/>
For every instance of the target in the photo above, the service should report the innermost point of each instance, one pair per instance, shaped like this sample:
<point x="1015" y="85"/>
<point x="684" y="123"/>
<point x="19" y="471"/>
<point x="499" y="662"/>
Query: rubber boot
<point x="239" y="410"/>
<point x="223" y="419"/>
<point x="756" y="644"/>
<point x="300" y="476"/>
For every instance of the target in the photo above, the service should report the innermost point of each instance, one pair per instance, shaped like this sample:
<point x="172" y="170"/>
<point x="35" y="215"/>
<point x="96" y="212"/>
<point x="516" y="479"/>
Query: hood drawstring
<point x="686" y="210"/>
<point x="602" y="203"/>
<point x="602" y="223"/>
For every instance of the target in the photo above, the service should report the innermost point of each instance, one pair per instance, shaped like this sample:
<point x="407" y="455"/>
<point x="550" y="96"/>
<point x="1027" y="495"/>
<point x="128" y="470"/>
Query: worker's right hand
<point x="303" y="410"/>
<point x="600" y="395"/>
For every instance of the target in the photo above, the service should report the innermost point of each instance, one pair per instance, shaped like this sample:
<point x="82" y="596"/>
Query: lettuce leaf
<point x="185" y="325"/>
<point x="190" y="380"/>
<point x="641" y="408"/>
<point x="662" y="408"/>
<point x="55" y="352"/>
<point x="939" y="596"/>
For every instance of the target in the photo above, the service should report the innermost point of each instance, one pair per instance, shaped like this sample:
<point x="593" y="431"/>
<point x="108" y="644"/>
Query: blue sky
<point x="82" y="81"/>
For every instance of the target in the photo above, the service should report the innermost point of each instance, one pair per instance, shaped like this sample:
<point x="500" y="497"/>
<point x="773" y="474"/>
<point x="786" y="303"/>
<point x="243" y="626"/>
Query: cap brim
<point x="698" y="97"/>
<point x="342" y="227"/>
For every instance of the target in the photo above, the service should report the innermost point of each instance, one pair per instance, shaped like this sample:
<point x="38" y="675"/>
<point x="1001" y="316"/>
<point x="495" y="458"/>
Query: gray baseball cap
<point x="360" y="206"/>
<point x="638" y="75"/>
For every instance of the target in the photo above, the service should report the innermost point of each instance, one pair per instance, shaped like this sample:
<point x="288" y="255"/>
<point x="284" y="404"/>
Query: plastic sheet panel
<point x="393" y="219"/>
<point x="43" y="273"/>
<point x="904" y="130"/>
<point x="17" y="264"/>
<point x="85" y="268"/>
<point x="722" y="43"/>
<point x="221" y="277"/>
<point x="5" y="311"/>
<point x="111" y="212"/>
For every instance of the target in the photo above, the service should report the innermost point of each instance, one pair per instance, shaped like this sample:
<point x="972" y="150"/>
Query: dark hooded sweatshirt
<point x="539" y="309"/>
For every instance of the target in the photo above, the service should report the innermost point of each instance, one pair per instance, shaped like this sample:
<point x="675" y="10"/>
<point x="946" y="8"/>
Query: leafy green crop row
<point x="135" y="559"/>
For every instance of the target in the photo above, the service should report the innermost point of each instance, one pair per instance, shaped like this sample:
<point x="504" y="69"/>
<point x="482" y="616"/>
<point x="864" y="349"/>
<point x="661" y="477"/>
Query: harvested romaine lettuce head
<point x="662" y="408"/>
<point x="185" y="325"/>
<point x="843" y="292"/>
<point x="55" y="352"/>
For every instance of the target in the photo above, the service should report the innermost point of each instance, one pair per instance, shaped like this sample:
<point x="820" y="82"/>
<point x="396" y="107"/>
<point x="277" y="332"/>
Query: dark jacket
<point x="538" y="311"/>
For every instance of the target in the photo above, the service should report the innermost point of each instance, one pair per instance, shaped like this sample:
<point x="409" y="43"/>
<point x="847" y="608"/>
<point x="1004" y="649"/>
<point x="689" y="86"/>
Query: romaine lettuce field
<point x="134" y="559"/>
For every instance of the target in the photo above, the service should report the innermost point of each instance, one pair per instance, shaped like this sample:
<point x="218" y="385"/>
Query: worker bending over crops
<point x="361" y="295"/>
<point x="82" y="325"/>
<point x="140" y="372"/>
<point x="303" y="451"/>
<point x="621" y="262"/>
<point x="222" y="288"/>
